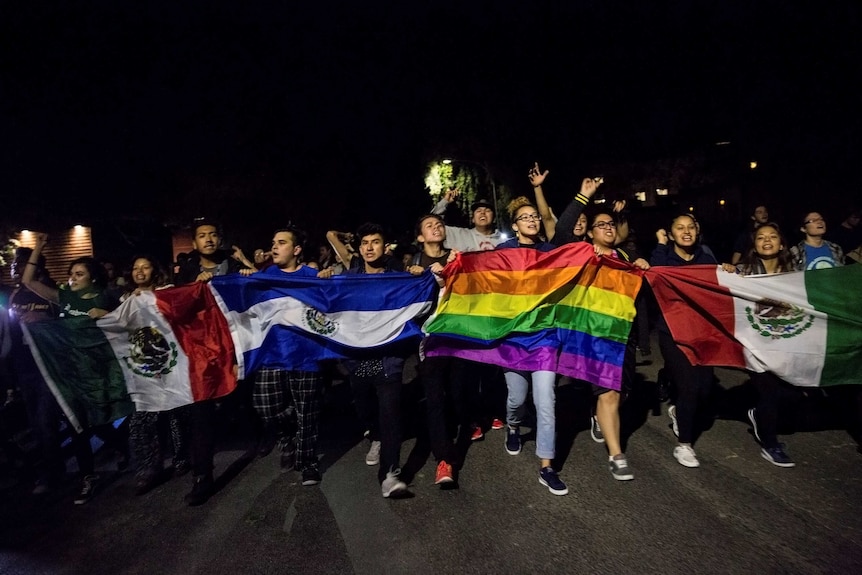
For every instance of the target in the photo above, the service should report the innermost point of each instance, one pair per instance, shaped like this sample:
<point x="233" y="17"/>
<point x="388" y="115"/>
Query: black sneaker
<point x="549" y="478"/>
<point x="202" y="489"/>
<point x="311" y="476"/>
<point x="777" y="456"/>
<point x="513" y="441"/>
<point x="182" y="467"/>
<point x="88" y="489"/>
<point x="145" y="483"/>
<point x="287" y="446"/>
<point x="266" y="444"/>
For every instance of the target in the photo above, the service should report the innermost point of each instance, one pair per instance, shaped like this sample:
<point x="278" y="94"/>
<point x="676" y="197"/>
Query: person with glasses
<point x="603" y="233"/>
<point x="526" y="222"/>
<point x="814" y="252"/>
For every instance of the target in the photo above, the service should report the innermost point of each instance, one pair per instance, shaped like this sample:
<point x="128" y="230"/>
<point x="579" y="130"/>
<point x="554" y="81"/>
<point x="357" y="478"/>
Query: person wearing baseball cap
<point x="484" y="234"/>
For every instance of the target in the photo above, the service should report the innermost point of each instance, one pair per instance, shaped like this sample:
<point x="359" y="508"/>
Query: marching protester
<point x="147" y="274"/>
<point x="86" y="295"/>
<point x="768" y="254"/>
<point x="288" y="400"/>
<point x="205" y="262"/>
<point x="526" y="223"/>
<point x="376" y="381"/>
<point x="692" y="384"/>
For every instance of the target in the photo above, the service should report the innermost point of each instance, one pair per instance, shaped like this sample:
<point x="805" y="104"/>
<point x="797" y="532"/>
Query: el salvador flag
<point x="294" y="322"/>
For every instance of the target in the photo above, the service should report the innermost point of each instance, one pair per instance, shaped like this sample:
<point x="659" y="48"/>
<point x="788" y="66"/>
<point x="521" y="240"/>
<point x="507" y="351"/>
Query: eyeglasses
<point x="605" y="225"/>
<point x="814" y="220"/>
<point x="529" y="218"/>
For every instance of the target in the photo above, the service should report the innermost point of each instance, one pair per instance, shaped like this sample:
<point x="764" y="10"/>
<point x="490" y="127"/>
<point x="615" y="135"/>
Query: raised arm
<point x="569" y="217"/>
<point x="537" y="178"/>
<point x="449" y="197"/>
<point x="622" y="222"/>
<point x="240" y="256"/>
<point x="338" y="242"/>
<point x="28" y="278"/>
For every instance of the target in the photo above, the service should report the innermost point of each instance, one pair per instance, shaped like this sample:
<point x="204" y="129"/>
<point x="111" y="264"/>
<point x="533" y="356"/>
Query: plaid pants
<point x="289" y="401"/>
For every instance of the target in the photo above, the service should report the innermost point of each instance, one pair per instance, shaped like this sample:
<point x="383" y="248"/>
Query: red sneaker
<point x="444" y="473"/>
<point x="497" y="424"/>
<point x="477" y="434"/>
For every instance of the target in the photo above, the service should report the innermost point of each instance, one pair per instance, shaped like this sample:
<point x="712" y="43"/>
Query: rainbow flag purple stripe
<point x="566" y="311"/>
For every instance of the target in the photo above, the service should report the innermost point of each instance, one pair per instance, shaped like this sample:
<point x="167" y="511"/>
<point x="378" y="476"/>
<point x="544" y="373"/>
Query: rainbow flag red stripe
<point x="566" y="311"/>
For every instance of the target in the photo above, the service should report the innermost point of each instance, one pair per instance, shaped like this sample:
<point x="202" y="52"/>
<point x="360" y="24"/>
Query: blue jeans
<point x="543" y="399"/>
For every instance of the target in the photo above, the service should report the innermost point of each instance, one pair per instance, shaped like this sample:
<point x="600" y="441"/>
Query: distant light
<point x="640" y="196"/>
<point x="661" y="191"/>
<point x="447" y="161"/>
<point x="724" y="143"/>
<point x="79" y="228"/>
<point x="599" y="200"/>
<point x="504" y="236"/>
<point x="721" y="202"/>
<point x="25" y="231"/>
<point x="691" y="208"/>
<point x="752" y="165"/>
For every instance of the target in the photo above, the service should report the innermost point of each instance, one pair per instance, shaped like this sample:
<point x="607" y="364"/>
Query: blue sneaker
<point x="513" y="441"/>
<point x="776" y="456"/>
<point x="549" y="478"/>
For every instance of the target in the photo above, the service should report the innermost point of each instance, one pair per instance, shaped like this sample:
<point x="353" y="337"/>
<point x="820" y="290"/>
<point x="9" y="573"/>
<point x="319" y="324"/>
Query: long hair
<point x="750" y="261"/>
<point x="98" y="273"/>
<point x="159" y="278"/>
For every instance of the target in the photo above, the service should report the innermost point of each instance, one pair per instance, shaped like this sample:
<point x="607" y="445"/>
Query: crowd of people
<point x="464" y="399"/>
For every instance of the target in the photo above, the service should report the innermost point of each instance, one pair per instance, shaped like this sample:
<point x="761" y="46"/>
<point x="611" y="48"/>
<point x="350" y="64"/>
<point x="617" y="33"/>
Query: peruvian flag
<point x="805" y="327"/>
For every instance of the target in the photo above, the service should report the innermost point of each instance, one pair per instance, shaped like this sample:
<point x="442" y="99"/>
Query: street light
<point x="449" y="161"/>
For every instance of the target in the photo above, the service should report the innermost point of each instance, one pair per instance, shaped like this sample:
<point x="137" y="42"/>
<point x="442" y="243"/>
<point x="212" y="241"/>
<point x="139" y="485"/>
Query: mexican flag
<point x="157" y="351"/>
<point x="805" y="327"/>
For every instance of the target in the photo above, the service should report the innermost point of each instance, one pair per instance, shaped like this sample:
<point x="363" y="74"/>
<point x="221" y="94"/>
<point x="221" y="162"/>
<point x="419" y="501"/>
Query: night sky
<point x="326" y="115"/>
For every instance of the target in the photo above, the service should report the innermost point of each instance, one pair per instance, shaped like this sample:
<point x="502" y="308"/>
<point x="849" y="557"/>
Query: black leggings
<point x="691" y="382"/>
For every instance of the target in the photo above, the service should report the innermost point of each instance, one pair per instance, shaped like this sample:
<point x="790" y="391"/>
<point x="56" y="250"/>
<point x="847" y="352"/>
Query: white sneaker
<point x="373" y="456"/>
<point x="392" y="485"/>
<point x="671" y="413"/>
<point x="686" y="456"/>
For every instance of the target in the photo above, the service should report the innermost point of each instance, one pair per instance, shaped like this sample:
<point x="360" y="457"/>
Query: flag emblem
<point x="776" y="320"/>
<point x="150" y="353"/>
<point x="317" y="322"/>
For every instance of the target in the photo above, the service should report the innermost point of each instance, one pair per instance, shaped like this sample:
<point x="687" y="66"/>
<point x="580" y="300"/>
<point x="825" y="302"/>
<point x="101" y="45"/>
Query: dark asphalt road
<point x="734" y="514"/>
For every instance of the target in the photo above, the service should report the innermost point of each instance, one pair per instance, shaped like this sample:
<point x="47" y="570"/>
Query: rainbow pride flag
<point x="566" y="311"/>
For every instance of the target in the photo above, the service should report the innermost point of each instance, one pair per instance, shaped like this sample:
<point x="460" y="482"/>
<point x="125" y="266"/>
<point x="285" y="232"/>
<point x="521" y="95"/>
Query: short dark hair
<point x="299" y="236"/>
<point x="369" y="229"/>
<point x="421" y="220"/>
<point x="198" y="222"/>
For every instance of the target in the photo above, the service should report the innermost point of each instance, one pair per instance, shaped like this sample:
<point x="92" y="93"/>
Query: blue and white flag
<point x="294" y="322"/>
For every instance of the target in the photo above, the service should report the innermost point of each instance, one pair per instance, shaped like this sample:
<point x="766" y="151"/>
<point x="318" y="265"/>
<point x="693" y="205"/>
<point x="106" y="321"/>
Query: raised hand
<point x="537" y="177"/>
